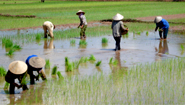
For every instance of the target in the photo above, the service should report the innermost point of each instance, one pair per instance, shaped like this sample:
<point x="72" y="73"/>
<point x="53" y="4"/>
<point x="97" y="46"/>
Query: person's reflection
<point x="32" y="96"/>
<point x="163" y="49"/>
<point x="48" y="44"/>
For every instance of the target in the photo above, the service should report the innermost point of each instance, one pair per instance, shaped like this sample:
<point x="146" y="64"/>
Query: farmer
<point x="35" y="65"/>
<point x="117" y="27"/>
<point x="48" y="29"/>
<point x="163" y="26"/>
<point x="83" y="23"/>
<point x="16" y="70"/>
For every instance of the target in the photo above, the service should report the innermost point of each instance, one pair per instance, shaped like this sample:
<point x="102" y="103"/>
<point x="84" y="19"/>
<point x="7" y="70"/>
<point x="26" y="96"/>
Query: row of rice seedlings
<point x="2" y="71"/>
<point x="159" y="82"/>
<point x="104" y="40"/>
<point x="48" y="64"/>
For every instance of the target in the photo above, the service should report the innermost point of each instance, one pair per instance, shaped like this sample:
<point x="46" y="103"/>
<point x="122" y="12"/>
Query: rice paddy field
<point x="147" y="70"/>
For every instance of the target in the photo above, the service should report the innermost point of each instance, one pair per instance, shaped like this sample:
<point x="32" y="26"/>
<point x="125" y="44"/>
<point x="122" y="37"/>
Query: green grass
<point x="104" y="40"/>
<point x="2" y="71"/>
<point x="63" y="12"/>
<point x="155" y="83"/>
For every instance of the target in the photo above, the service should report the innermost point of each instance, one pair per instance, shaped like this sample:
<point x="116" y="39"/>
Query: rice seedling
<point x="111" y="60"/>
<point x="38" y="37"/>
<point x="24" y="82"/>
<point x="72" y="42"/>
<point x="76" y="64"/>
<point x="10" y="52"/>
<point x="83" y="59"/>
<point x="104" y="40"/>
<point x="147" y="33"/>
<point x="138" y="33"/>
<point x="82" y="43"/>
<point x="16" y="47"/>
<point x="92" y="58"/>
<point x="7" y="42"/>
<point x="98" y="63"/>
<point x="54" y="70"/>
<point x="60" y="75"/>
<point x="6" y="85"/>
<point x="66" y="61"/>
<point x="69" y="67"/>
<point x="48" y="64"/>
<point x="2" y="71"/>
<point x="182" y="47"/>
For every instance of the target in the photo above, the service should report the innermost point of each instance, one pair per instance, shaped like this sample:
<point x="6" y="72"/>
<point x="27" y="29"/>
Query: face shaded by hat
<point x="118" y="17"/>
<point x="79" y="12"/>
<point x="18" y="67"/>
<point x="157" y="19"/>
<point x="37" y="62"/>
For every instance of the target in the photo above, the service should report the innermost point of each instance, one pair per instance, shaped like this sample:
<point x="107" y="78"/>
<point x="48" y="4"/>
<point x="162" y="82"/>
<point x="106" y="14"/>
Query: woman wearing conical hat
<point x="163" y="26"/>
<point x="83" y="23"/>
<point x="16" y="70"/>
<point x="48" y="28"/>
<point x="117" y="27"/>
<point x="35" y="65"/>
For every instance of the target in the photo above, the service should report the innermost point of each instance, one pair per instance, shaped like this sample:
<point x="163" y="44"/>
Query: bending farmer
<point x="83" y="23"/>
<point x="17" y="70"/>
<point x="48" y="29"/>
<point x="163" y="26"/>
<point x="117" y="27"/>
<point x="35" y="65"/>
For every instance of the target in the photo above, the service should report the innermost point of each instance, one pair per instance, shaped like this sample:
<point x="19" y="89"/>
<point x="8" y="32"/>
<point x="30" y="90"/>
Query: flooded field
<point x="136" y="48"/>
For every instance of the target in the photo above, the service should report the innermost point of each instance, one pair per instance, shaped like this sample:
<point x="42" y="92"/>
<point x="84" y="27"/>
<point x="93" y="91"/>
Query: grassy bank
<point x="63" y="12"/>
<point x="156" y="83"/>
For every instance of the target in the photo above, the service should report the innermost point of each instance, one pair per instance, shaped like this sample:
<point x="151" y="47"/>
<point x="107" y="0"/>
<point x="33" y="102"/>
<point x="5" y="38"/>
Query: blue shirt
<point x="162" y="24"/>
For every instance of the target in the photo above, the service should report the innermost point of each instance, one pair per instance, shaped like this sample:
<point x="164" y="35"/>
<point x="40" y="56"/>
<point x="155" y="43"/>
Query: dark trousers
<point x="82" y="32"/>
<point x="118" y="40"/>
<point x="164" y="32"/>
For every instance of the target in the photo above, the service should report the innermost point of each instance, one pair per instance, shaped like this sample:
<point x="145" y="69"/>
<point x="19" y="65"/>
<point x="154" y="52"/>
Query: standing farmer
<point x="48" y="29"/>
<point x="83" y="23"/>
<point x="163" y="26"/>
<point x="117" y="27"/>
<point x="16" y="70"/>
<point x="35" y="65"/>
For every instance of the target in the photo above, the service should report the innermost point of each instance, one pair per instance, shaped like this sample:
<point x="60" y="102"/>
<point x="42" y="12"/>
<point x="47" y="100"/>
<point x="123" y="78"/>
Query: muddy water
<point x="136" y="49"/>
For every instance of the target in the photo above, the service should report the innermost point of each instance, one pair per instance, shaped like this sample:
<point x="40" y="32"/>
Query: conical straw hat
<point x="18" y="67"/>
<point x="157" y="19"/>
<point x="80" y="11"/>
<point x="37" y="62"/>
<point x="118" y="17"/>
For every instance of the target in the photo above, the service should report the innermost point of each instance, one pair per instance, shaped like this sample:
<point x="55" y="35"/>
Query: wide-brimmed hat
<point x="37" y="62"/>
<point x="80" y="11"/>
<point x="18" y="67"/>
<point x="157" y="19"/>
<point x="118" y="17"/>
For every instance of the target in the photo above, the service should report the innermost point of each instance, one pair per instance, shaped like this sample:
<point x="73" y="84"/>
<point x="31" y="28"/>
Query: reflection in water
<point x="162" y="50"/>
<point x="48" y="44"/>
<point x="32" y="96"/>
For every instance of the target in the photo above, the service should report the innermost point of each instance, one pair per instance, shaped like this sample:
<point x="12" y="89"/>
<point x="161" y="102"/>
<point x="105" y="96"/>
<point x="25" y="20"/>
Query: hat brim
<point x="18" y="67"/>
<point x="79" y="13"/>
<point x="37" y="62"/>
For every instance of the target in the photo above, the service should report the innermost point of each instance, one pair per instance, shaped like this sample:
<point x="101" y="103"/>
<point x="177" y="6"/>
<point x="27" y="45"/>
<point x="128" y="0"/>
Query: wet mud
<point x="135" y="49"/>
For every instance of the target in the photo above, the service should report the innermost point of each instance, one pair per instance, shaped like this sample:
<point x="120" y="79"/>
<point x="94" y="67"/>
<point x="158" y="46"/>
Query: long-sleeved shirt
<point x="117" y="27"/>
<point x="82" y="20"/>
<point x="162" y="24"/>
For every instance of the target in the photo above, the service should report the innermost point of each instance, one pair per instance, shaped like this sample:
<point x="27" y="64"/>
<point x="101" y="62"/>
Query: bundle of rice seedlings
<point x="6" y="86"/>
<point x="38" y="37"/>
<point x="66" y="61"/>
<point x="60" y="75"/>
<point x="104" y="40"/>
<point x="110" y="61"/>
<point x="98" y="63"/>
<point x="48" y="64"/>
<point x="54" y="70"/>
<point x="2" y="71"/>
<point x="76" y="64"/>
<point x="92" y="58"/>
<point x="69" y="67"/>
<point x="72" y="42"/>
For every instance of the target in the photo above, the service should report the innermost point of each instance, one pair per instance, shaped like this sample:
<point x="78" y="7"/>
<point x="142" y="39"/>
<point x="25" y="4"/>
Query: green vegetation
<point x="69" y="67"/>
<point x="38" y="37"/>
<point x="48" y="64"/>
<point x="104" y="40"/>
<point x="114" y="62"/>
<point x="153" y="83"/>
<point x="66" y="61"/>
<point x="6" y="85"/>
<point x="54" y="70"/>
<point x="98" y="63"/>
<point x="92" y="58"/>
<point x="65" y="11"/>
<point x="60" y="75"/>
<point x="82" y="43"/>
<point x="72" y="42"/>
<point x="2" y="71"/>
